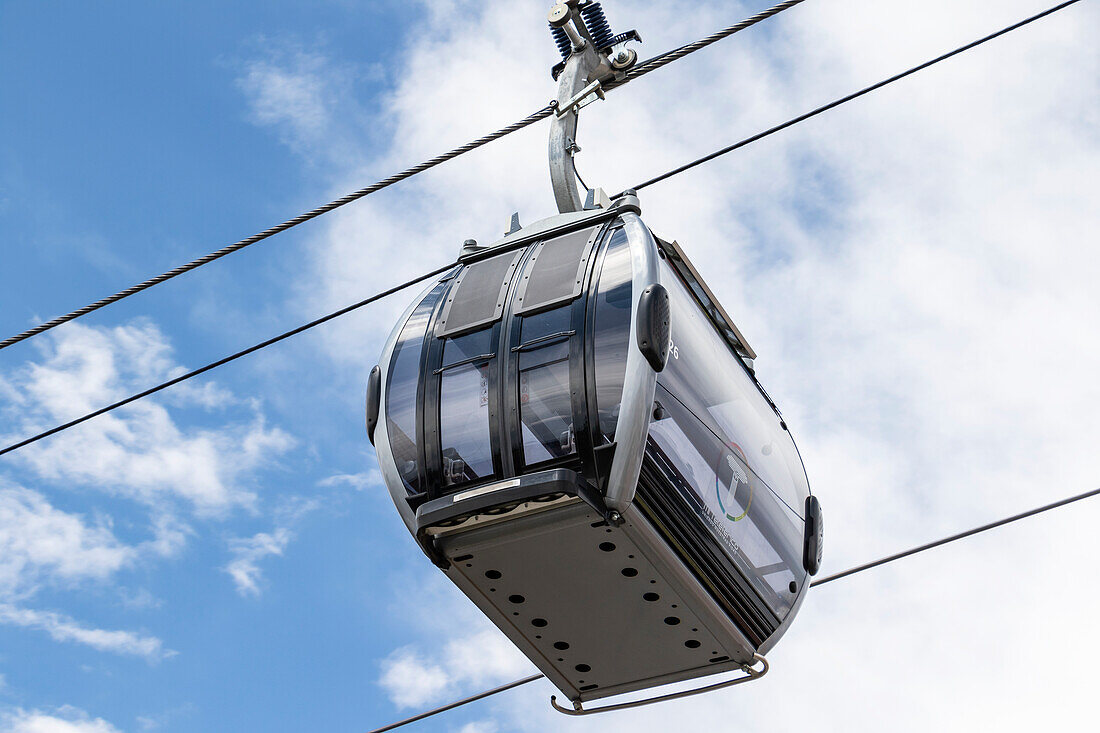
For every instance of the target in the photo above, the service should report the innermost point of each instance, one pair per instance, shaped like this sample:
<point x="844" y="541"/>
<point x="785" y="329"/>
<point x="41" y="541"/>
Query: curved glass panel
<point x="612" y="331"/>
<point x="546" y="412"/>
<point x="464" y="408"/>
<point x="401" y="392"/>
<point x="748" y="484"/>
<point x="761" y="535"/>
<point x="469" y="347"/>
<point x="705" y="375"/>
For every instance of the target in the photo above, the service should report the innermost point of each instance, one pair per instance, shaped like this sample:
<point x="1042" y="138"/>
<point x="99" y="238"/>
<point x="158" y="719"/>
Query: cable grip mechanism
<point x="751" y="673"/>
<point x="591" y="55"/>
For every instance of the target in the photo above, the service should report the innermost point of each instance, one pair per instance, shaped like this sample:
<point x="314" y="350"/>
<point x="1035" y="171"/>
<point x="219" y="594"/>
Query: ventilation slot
<point x="477" y="296"/>
<point x="555" y="273"/>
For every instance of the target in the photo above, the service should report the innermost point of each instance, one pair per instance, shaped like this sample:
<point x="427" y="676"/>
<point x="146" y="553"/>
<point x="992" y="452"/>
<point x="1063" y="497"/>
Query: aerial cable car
<point x="570" y="425"/>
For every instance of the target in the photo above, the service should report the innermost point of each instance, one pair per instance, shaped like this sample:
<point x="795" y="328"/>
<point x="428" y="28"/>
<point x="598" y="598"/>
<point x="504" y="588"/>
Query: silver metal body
<point x="579" y="84"/>
<point x="627" y="517"/>
<point x="390" y="475"/>
<point x="601" y="605"/>
<point x="637" y="404"/>
<point x="563" y="129"/>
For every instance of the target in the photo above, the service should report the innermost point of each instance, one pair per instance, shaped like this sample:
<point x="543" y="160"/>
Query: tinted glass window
<point x="467" y="347"/>
<point x="544" y="397"/>
<point x="545" y="324"/>
<point x="401" y="393"/>
<point x="704" y="374"/>
<point x="612" y="331"/>
<point x="759" y="534"/>
<point x="464" y="409"/>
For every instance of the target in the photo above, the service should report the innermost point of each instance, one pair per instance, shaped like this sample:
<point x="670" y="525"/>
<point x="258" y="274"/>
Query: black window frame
<point x="505" y="426"/>
<point x="574" y="337"/>
<point x="432" y="384"/>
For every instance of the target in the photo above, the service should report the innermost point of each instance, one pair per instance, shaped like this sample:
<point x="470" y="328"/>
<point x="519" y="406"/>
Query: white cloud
<point x="483" y="658"/>
<point x="412" y="678"/>
<point x="139" y="452"/>
<point x="313" y="105"/>
<point x="170" y="535"/>
<point x="479" y="726"/>
<point x="140" y="599"/>
<point x="247" y="553"/>
<point x="38" y="540"/>
<point x="357" y="481"/>
<point x="41" y="545"/>
<point x="165" y="718"/>
<point x="290" y="510"/>
<point x="294" y="95"/>
<point x="62" y="628"/>
<point x="917" y="270"/>
<point x="64" y="720"/>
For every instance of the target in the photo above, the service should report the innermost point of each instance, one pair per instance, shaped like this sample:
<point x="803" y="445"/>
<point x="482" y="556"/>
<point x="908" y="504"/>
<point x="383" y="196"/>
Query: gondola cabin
<point x="570" y="427"/>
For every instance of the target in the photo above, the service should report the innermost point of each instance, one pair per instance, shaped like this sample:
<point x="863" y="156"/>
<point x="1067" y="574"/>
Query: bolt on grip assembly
<point x="576" y="23"/>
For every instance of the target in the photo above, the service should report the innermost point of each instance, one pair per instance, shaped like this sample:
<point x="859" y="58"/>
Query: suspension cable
<point x="288" y="224"/>
<point x="849" y="98"/>
<point x="226" y="360"/>
<point x="822" y="581"/>
<point x="640" y="70"/>
<point x="676" y="54"/>
<point x="459" y="703"/>
<point x="953" y="538"/>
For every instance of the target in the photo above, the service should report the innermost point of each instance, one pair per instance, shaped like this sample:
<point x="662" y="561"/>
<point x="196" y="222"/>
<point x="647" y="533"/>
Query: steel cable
<point x="848" y="98"/>
<point x="668" y="57"/>
<point x="288" y="224"/>
<point x="459" y="703"/>
<point x="226" y="360"/>
<point x="640" y="70"/>
<point x="953" y="538"/>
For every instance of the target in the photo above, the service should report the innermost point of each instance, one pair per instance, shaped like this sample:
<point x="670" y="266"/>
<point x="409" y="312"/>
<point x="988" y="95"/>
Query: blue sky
<point x="916" y="270"/>
<point x="128" y="147"/>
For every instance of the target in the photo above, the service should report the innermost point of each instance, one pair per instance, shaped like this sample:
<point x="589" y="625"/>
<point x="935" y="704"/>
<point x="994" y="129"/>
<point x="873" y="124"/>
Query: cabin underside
<point x="600" y="610"/>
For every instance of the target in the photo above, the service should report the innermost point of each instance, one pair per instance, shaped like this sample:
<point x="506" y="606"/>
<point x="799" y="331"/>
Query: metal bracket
<point x="750" y="674"/>
<point x="514" y="225"/>
<point x="581" y="99"/>
<point x="573" y="89"/>
<point x="581" y="78"/>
